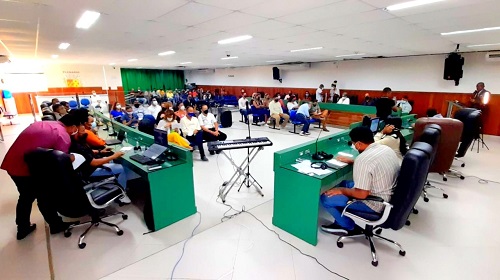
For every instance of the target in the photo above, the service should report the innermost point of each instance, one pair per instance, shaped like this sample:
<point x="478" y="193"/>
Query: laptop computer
<point x="375" y="122"/>
<point x="151" y="155"/>
<point x="119" y="139"/>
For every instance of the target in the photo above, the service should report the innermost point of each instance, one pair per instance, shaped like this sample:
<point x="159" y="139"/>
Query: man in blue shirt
<point x="303" y="117"/>
<point x="130" y="118"/>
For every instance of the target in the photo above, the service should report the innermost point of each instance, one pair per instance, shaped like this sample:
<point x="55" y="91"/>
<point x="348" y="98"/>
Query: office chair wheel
<point x="462" y="177"/>
<point x="402" y="253"/>
<point x="67" y="234"/>
<point x="426" y="199"/>
<point x="408" y="223"/>
<point x="375" y="263"/>
<point x="415" y="211"/>
<point x="463" y="165"/>
<point x="445" y="179"/>
<point x="120" y="232"/>
<point x="340" y="244"/>
<point x="445" y="195"/>
<point x="82" y="246"/>
<point x="378" y="231"/>
<point x="124" y="216"/>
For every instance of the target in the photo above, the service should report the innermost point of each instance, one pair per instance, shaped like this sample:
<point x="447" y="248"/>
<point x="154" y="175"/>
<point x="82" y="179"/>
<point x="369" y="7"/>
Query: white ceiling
<point x="143" y="28"/>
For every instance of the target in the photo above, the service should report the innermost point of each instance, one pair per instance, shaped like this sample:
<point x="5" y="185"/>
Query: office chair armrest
<point x="374" y="198"/>
<point x="96" y="185"/>
<point x="383" y="218"/>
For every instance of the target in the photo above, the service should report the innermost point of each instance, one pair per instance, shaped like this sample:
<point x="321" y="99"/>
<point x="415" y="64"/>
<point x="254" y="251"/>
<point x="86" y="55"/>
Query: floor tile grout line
<point x="49" y="252"/>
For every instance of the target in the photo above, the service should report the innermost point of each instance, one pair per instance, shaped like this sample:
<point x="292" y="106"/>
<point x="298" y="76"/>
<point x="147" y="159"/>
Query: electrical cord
<point x="184" y="247"/>
<point x="483" y="181"/>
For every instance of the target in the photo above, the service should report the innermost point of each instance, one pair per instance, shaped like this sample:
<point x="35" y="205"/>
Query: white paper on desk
<point x="305" y="167"/>
<point x="126" y="149"/>
<point x="335" y="163"/>
<point x="79" y="159"/>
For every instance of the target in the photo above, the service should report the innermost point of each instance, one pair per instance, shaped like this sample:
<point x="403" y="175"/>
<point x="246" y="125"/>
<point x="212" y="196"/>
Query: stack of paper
<point x="335" y="163"/>
<point x="305" y="167"/>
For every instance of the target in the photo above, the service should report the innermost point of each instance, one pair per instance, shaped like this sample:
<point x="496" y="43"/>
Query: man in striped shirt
<point x="375" y="172"/>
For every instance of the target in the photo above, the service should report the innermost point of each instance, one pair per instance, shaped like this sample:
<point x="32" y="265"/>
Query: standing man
<point x="385" y="105"/>
<point x="375" y="173"/>
<point x="303" y="117"/>
<point x="276" y="111"/>
<point x="480" y="97"/>
<point x="319" y="93"/>
<point x="48" y="135"/>
<point x="210" y="127"/>
<point x="192" y="131"/>
<point x="334" y="93"/>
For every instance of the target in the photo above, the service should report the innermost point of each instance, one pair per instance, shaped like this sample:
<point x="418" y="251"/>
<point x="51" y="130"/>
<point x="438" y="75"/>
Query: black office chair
<point x="431" y="135"/>
<point x="410" y="184"/>
<point x="471" y="118"/>
<point x="75" y="198"/>
<point x="48" y="118"/>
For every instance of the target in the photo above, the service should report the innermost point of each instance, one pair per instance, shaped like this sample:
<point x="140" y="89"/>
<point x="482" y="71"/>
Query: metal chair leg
<point x="390" y="241"/>
<point x="373" y="251"/>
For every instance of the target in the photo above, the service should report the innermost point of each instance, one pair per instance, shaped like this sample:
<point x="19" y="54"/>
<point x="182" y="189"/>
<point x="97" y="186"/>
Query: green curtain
<point x="150" y="79"/>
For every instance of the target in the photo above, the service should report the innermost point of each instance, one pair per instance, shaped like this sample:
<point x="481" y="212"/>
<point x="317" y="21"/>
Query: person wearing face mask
<point x="210" y="127"/>
<point x="155" y="108"/>
<point x="169" y="124"/>
<point x="375" y="173"/>
<point x="189" y="102"/>
<point x="316" y="113"/>
<point x="192" y="131"/>
<point x="259" y="106"/>
<point x="117" y="112"/>
<point x="405" y="105"/>
<point x="344" y="99"/>
<point x="49" y="135"/>
<point x="334" y="93"/>
<point x="93" y="140"/>
<point x="139" y="110"/>
<point x="292" y="104"/>
<point x="242" y="105"/>
<point x="307" y="96"/>
<point x="277" y="111"/>
<point x="130" y="118"/>
<point x="164" y="107"/>
<point x="181" y="113"/>
<point x="368" y="100"/>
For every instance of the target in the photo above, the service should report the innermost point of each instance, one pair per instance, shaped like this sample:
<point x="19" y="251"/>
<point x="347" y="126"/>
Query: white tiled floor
<point x="448" y="239"/>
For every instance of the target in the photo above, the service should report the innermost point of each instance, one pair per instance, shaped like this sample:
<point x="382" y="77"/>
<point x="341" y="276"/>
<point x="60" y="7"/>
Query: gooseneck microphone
<point x="317" y="155"/>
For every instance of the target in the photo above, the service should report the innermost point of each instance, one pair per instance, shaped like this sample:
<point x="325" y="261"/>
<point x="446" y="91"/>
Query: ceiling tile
<point x="279" y="8"/>
<point x="350" y="20"/>
<point x="234" y="20"/>
<point x="193" y="14"/>
<point x="231" y="4"/>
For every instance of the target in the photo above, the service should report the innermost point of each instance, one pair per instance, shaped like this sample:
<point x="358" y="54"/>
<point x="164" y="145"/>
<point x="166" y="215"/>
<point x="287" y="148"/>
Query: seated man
<point x="276" y="111"/>
<point x="139" y="97"/>
<point x="405" y="105"/>
<point x="292" y="104"/>
<point x="93" y="140"/>
<point x="210" y="127"/>
<point x="375" y="173"/>
<point x="242" y="104"/>
<point x="130" y="118"/>
<point x="391" y="137"/>
<point x="192" y="131"/>
<point x="59" y="111"/>
<point x="344" y="99"/>
<point x="303" y="117"/>
<point x="317" y="114"/>
<point x="139" y="110"/>
<point x="433" y="113"/>
<point x="66" y="105"/>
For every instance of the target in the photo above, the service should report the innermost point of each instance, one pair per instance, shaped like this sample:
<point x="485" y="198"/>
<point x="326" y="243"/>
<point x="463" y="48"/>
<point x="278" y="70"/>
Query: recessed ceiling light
<point x="229" y="57"/>
<point x="278" y="60"/>
<point x="63" y="46"/>
<point x="352" y="54"/>
<point x="112" y="63"/>
<point x="471" y="31"/>
<point x="308" y="49"/>
<point x="166" y="53"/>
<point x="54" y="56"/>
<point x="87" y="19"/>
<point x="410" y="4"/>
<point x="234" y="39"/>
<point x="187" y="62"/>
<point x="483" y="45"/>
<point x="132" y="60"/>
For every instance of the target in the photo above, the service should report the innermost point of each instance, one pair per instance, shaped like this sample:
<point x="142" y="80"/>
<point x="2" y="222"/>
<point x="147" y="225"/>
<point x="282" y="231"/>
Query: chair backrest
<point x="293" y="115"/>
<point x="49" y="117"/>
<point x="471" y="118"/>
<point x="85" y="102"/>
<point x="147" y="124"/>
<point x="395" y="121"/>
<point x="73" y="104"/>
<point x="451" y="131"/>
<point x="64" y="185"/>
<point x="431" y="135"/>
<point x="411" y="180"/>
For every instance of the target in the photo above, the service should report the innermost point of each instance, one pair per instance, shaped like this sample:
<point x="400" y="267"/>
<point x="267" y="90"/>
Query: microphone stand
<point x="248" y="151"/>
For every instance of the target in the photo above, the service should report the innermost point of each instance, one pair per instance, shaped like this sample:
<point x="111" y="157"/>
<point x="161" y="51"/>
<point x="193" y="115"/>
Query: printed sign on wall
<point x="72" y="78"/>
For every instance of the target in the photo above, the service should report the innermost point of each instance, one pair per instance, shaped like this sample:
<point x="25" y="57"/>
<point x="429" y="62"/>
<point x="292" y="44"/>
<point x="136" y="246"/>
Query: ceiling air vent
<point x="493" y="56"/>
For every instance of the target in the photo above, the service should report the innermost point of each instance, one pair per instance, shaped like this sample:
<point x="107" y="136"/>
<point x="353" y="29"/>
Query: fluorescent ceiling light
<point x="410" y="4"/>
<point x="234" y="39"/>
<point x="132" y="60"/>
<point x="54" y="56"/>
<point x="63" y="46"/>
<point x="187" y="62"/>
<point x="278" y="60"/>
<point x="112" y="63"/>
<point x="353" y="54"/>
<point x="471" y="31"/>
<point x="229" y="57"/>
<point x="308" y="49"/>
<point x="87" y="19"/>
<point x="483" y="45"/>
<point x="166" y="53"/>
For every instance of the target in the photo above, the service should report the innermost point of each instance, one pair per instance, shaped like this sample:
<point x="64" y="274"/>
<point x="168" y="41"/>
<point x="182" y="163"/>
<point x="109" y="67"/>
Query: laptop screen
<point x="154" y="151"/>
<point x="374" y="125"/>
<point x="161" y="137"/>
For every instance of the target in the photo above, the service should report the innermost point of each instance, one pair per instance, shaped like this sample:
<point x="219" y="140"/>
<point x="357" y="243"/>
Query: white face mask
<point x="155" y="102"/>
<point x="74" y="133"/>
<point x="170" y="119"/>
<point x="183" y="108"/>
<point x="118" y="107"/>
<point x="94" y="125"/>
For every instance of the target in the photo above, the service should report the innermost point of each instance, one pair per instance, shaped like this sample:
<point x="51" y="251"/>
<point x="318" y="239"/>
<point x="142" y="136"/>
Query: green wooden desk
<point x="296" y="195"/>
<point x="170" y="202"/>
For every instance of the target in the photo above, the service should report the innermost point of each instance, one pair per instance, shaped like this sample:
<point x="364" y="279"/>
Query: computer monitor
<point x="161" y="137"/>
<point x="374" y="125"/>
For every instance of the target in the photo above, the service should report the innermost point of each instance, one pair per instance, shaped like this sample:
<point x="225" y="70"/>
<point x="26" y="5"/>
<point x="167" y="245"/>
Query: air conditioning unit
<point x="205" y="70"/>
<point x="295" y="66"/>
<point x="493" y="56"/>
<point x="4" y="59"/>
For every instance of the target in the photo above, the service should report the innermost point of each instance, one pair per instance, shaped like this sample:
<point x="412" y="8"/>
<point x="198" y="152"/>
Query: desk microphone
<point x="318" y="155"/>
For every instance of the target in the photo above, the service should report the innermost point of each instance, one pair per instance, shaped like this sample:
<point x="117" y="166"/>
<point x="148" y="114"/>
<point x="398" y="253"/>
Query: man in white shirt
<point x="405" y="105"/>
<point x="344" y="99"/>
<point x="210" y="127"/>
<point x="375" y="173"/>
<point x="319" y="93"/>
<point x="242" y="104"/>
<point x="303" y="117"/>
<point x="276" y="111"/>
<point x="192" y="131"/>
<point x="334" y="93"/>
<point x="154" y="109"/>
<point x="292" y="104"/>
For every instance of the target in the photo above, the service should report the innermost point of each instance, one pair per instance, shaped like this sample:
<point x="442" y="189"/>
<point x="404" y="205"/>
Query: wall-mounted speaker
<point x="276" y="74"/>
<point x="453" y="68"/>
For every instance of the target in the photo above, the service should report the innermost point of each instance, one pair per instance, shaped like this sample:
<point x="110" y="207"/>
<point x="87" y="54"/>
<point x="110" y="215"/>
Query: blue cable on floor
<point x="184" y="246"/>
